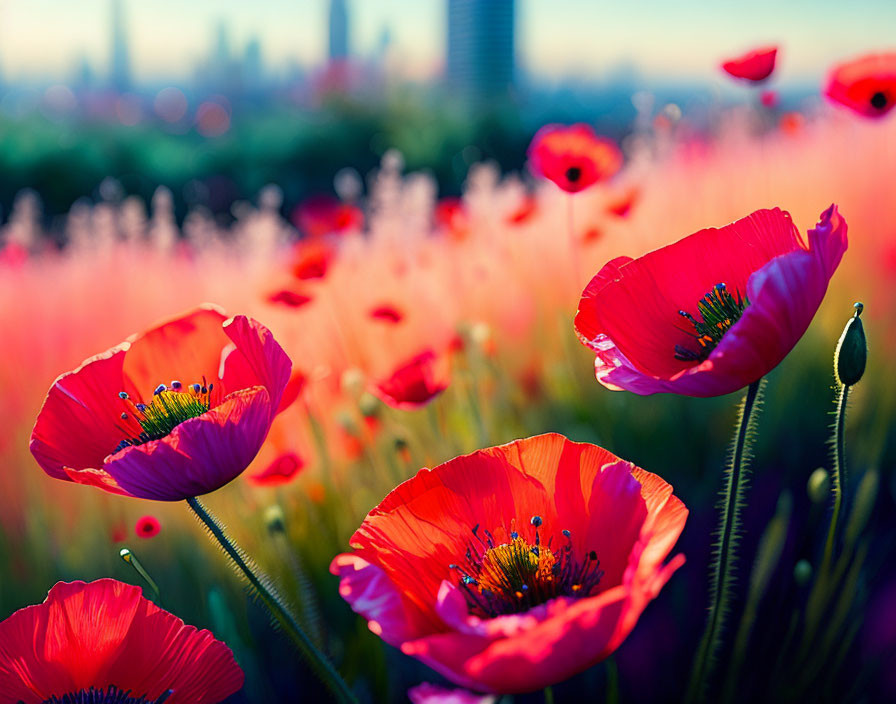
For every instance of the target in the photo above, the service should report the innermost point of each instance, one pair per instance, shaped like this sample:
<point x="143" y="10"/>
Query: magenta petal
<point x="371" y="594"/>
<point x="427" y="693"/>
<point x="199" y="455"/>
<point x="78" y="424"/>
<point x="257" y="359"/>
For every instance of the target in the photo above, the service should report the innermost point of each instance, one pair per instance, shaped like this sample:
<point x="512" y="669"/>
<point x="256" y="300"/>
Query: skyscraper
<point x="120" y="59"/>
<point x="338" y="30"/>
<point x="480" y="60"/>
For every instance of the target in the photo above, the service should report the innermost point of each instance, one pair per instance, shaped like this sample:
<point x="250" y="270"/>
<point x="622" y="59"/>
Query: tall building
<point x="480" y="60"/>
<point x="120" y="59"/>
<point x="338" y="30"/>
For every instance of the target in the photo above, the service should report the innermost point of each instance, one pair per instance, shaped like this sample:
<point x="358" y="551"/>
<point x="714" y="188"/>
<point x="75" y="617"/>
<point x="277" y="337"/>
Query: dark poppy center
<point x="879" y="100"/>
<point x="573" y="174"/>
<point x="507" y="578"/>
<point x="719" y="310"/>
<point x="169" y="407"/>
<point x="109" y="695"/>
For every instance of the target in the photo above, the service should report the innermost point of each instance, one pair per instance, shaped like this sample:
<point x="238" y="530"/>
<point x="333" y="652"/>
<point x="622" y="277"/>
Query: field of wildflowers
<point x="259" y="476"/>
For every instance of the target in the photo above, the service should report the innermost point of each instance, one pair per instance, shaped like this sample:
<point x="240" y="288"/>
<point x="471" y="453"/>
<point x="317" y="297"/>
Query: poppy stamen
<point x="170" y="406"/>
<point x="109" y="695"/>
<point x="879" y="100"/>
<point x="515" y="576"/>
<point x="719" y="311"/>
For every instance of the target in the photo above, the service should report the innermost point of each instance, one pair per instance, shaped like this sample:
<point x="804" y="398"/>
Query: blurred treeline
<point x="299" y="150"/>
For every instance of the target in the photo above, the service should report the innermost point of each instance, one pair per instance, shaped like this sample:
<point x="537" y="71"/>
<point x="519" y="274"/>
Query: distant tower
<point x="120" y="63"/>
<point x="252" y="64"/>
<point x="480" y="60"/>
<point x="221" y="53"/>
<point x="338" y="30"/>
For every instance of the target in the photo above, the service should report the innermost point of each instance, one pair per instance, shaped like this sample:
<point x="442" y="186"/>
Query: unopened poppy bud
<point x="369" y="405"/>
<point x="802" y="572"/>
<point x="819" y="485"/>
<point x="347" y="422"/>
<point x="273" y="519"/>
<point x="852" y="350"/>
<point x="352" y="381"/>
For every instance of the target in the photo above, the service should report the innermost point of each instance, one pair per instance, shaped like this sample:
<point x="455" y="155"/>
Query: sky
<point x="556" y="38"/>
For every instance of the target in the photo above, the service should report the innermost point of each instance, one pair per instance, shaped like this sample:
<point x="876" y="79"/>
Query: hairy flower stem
<point x="269" y="597"/>
<point x="722" y="568"/>
<point x="838" y="475"/>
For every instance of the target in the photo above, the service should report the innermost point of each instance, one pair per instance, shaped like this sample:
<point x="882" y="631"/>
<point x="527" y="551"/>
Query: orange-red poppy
<point x="514" y="567"/>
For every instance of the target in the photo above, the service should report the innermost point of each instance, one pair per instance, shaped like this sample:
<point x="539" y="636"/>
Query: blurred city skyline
<point x="561" y="39"/>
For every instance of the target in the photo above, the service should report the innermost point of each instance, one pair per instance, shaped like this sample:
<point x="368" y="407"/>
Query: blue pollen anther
<point x="124" y="416"/>
<point x="566" y="533"/>
<point x="141" y="407"/>
<point x="176" y="385"/>
<point x="196" y="388"/>
<point x="122" y="395"/>
<point x="469" y="580"/>
<point x="514" y="535"/>
<point x="536" y="521"/>
<point x="159" y="389"/>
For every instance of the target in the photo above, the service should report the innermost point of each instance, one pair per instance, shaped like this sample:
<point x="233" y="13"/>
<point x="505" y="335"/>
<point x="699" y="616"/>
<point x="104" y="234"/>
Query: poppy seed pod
<point x="852" y="350"/>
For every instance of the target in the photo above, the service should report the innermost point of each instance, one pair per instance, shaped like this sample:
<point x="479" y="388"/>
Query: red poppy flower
<point x="755" y="66"/>
<point x="324" y="215"/>
<point x="147" y="527"/>
<point x="174" y="412"/>
<point x="514" y="567"/>
<point x="452" y="217"/>
<point x="119" y="534"/>
<point x="281" y="471"/>
<point x="415" y="383"/>
<point x="791" y="123"/>
<point x="524" y="211"/>
<point x="103" y="642"/>
<point x="769" y="98"/>
<point x="312" y="259"/>
<point x="713" y="312"/>
<point x="622" y="206"/>
<point x="866" y="85"/>
<point x="294" y="388"/>
<point x="573" y="157"/>
<point x="387" y="313"/>
<point x="292" y="299"/>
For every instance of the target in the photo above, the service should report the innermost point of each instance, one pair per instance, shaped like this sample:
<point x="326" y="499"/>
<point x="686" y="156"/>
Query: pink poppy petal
<point x="200" y="455"/>
<point x="371" y="594"/>
<point x="257" y="360"/>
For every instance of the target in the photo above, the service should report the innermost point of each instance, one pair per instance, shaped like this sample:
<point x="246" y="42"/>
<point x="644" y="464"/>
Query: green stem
<point x="837" y="475"/>
<point x="548" y="695"/>
<point x="570" y="224"/>
<point x="612" y="681"/>
<point x="318" y="661"/>
<point x="722" y="569"/>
